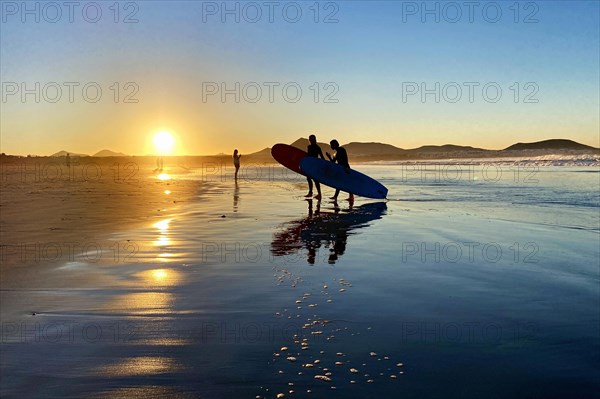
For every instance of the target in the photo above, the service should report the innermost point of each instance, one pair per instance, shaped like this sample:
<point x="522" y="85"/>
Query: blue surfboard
<point x="334" y="175"/>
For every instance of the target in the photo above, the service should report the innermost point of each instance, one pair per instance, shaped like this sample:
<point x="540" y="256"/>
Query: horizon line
<point x="265" y="148"/>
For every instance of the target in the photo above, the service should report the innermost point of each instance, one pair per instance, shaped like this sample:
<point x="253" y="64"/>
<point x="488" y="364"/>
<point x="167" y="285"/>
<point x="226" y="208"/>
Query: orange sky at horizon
<point x="194" y="145"/>
<point x="219" y="128"/>
<point x="181" y="147"/>
<point x="212" y="140"/>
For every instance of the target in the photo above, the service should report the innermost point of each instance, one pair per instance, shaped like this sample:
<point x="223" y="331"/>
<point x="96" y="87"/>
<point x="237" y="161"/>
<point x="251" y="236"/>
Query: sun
<point x="164" y="142"/>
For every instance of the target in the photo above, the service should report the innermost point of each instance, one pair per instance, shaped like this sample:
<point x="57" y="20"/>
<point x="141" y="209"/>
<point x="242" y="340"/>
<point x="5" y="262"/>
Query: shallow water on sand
<point x="468" y="282"/>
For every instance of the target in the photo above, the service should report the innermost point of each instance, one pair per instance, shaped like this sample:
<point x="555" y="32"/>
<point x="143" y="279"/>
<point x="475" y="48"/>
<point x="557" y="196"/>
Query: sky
<point x="247" y="75"/>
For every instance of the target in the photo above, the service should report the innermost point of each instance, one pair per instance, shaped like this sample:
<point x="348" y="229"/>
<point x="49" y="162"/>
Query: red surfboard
<point x="288" y="156"/>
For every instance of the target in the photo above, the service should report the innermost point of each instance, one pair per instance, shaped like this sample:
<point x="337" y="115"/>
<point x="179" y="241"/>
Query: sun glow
<point x="164" y="143"/>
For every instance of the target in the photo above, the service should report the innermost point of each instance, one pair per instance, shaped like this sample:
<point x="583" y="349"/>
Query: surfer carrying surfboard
<point x="314" y="151"/>
<point x="341" y="157"/>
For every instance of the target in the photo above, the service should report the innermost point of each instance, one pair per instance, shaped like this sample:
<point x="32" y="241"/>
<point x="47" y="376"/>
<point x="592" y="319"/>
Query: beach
<point x="469" y="281"/>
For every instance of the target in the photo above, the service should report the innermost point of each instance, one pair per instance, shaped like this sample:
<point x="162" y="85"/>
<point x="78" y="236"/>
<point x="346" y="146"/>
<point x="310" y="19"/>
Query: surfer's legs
<point x="337" y="192"/>
<point x="310" y="186"/>
<point x="318" y="186"/>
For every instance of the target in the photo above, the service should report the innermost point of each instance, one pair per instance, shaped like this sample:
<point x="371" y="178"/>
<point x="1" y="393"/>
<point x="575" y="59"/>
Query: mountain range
<point x="102" y="153"/>
<point x="379" y="151"/>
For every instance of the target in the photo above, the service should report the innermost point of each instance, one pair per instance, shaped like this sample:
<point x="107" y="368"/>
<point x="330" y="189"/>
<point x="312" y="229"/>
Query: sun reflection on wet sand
<point x="159" y="274"/>
<point x="150" y="302"/>
<point x="139" y="366"/>
<point x="163" y="176"/>
<point x="150" y="391"/>
<point x="143" y="303"/>
<point x="164" y="257"/>
<point x="160" y="277"/>
<point x="163" y="225"/>
<point x="162" y="240"/>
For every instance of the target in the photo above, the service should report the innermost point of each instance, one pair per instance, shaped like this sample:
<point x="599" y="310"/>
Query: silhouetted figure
<point x="68" y="160"/>
<point x="315" y="151"/>
<point x="236" y="162"/>
<point x="341" y="157"/>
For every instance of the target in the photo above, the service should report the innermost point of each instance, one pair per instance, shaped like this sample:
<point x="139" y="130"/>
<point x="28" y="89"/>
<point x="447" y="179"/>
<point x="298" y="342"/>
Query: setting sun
<point x="163" y="143"/>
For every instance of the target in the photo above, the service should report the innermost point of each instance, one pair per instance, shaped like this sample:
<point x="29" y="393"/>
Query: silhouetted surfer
<point x="315" y="151"/>
<point x="236" y="162"/>
<point x="341" y="157"/>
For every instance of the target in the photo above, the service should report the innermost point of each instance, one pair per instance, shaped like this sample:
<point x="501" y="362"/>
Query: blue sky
<point x="368" y="54"/>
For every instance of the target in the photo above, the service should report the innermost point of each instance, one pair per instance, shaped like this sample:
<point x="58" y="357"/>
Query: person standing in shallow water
<point x="315" y="151"/>
<point x="236" y="162"/>
<point x="341" y="157"/>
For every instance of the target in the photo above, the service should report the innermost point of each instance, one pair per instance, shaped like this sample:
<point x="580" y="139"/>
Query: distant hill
<point x="109" y="153"/>
<point x="103" y="153"/>
<point x="64" y="153"/>
<point x="365" y="149"/>
<point x="381" y="151"/>
<point x="355" y="148"/>
<point x="445" y="148"/>
<point x="553" y="144"/>
<point x="262" y="153"/>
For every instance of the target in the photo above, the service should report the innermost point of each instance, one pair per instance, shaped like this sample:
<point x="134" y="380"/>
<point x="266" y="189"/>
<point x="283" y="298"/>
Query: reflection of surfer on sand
<point x="312" y="246"/>
<point x="236" y="196"/>
<point x="327" y="229"/>
<point x="159" y="164"/>
<point x="316" y="212"/>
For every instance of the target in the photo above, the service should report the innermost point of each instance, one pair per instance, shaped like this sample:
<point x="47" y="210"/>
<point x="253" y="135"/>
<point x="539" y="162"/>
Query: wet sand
<point x="53" y="215"/>
<point x="247" y="289"/>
